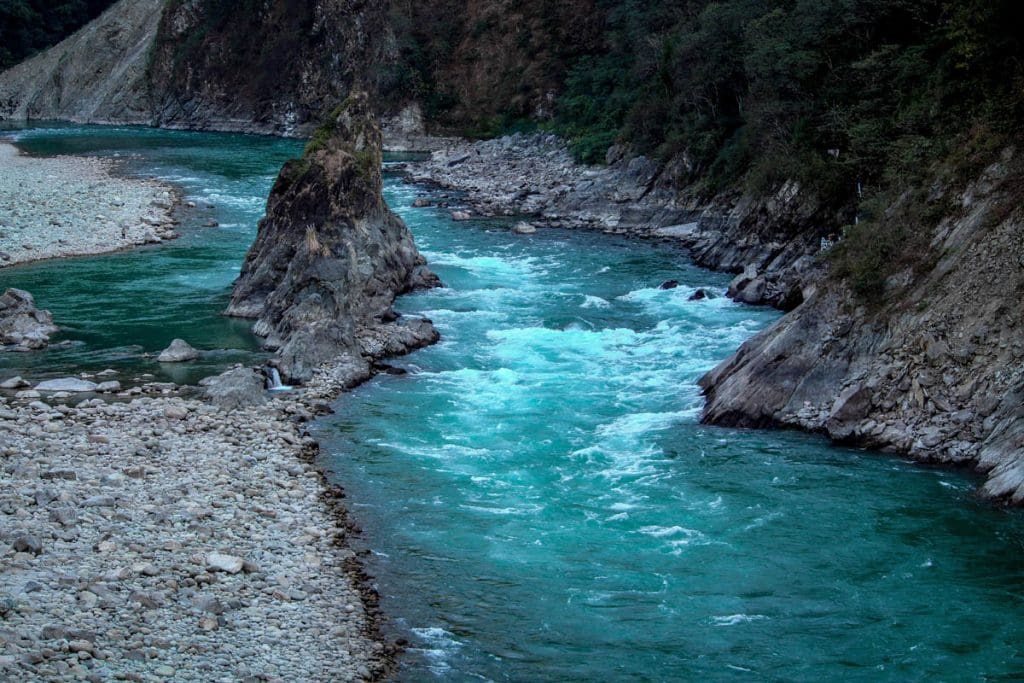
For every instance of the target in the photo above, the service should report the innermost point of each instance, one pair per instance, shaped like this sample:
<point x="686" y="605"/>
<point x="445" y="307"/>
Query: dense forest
<point x="27" y="26"/>
<point x="859" y="100"/>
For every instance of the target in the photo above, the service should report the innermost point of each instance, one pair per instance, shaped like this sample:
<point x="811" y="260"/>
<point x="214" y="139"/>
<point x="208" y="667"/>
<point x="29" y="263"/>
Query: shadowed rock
<point x="330" y="256"/>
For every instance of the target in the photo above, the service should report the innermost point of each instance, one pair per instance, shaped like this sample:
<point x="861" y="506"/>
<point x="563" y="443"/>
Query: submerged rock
<point x="23" y="327"/>
<point x="524" y="228"/>
<point x="14" y="383"/>
<point x="68" y="384"/>
<point x="178" y="352"/>
<point x="700" y="295"/>
<point x="330" y="256"/>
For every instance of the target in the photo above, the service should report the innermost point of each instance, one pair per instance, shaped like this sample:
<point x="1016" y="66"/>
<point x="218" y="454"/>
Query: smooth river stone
<point x="70" y="384"/>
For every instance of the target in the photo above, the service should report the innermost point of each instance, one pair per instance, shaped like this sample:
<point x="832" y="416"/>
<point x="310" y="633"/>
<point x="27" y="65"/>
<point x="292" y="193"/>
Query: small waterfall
<point x="274" y="379"/>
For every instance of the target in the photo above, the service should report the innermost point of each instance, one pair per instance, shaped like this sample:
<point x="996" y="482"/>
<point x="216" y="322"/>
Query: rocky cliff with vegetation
<point x="930" y="366"/>
<point x="330" y="257"/>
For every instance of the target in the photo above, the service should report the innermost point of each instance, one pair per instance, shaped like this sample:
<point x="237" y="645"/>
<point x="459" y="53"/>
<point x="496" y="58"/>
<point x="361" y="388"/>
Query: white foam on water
<point x="763" y="520"/>
<point x="490" y="266"/>
<point x="636" y="425"/>
<point x="737" y="619"/>
<point x="665" y="531"/>
<point x="594" y="302"/>
<point x="505" y="511"/>
<point x="441" y="645"/>
<point x="444" y="452"/>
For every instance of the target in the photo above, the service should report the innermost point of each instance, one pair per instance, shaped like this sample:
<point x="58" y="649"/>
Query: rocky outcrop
<point x="936" y="370"/>
<point x="279" y="69"/>
<point x="23" y="327"/>
<point x="237" y="388"/>
<point x="330" y="256"/>
<point x="203" y="64"/>
<point x="98" y="75"/>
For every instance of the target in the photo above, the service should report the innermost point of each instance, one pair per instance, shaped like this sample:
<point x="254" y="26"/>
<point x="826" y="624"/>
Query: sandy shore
<point x="69" y="206"/>
<point x="168" y="539"/>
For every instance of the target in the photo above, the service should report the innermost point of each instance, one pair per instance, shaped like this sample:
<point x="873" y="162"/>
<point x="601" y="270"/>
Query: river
<point x="538" y="496"/>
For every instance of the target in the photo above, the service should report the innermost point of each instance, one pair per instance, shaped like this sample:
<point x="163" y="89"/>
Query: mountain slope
<point x="98" y="75"/>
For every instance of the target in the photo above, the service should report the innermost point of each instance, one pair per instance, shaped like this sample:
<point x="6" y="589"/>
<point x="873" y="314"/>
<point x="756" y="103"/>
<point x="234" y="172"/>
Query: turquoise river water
<point x="539" y="497"/>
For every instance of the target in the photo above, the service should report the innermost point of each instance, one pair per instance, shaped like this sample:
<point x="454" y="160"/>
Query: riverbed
<point x="538" y="496"/>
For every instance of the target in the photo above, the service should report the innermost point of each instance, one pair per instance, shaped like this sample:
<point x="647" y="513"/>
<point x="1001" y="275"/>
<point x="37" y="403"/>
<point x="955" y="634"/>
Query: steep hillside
<point x="273" y="67"/>
<point x="96" y="75"/>
<point x="483" y="66"/>
<point x="28" y="26"/>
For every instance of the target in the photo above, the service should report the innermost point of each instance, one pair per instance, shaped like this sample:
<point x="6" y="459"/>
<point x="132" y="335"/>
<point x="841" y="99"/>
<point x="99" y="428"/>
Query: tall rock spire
<point x="330" y="256"/>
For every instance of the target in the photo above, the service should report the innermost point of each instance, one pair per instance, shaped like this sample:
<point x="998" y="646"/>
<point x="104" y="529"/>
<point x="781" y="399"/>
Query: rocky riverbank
<point x="771" y="242"/>
<point x="932" y="369"/>
<point x="53" y="207"/>
<point x="172" y="539"/>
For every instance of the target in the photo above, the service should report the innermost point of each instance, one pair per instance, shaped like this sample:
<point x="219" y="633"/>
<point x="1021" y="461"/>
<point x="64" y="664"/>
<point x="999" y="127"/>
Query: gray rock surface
<point x="179" y="351"/>
<point x="236" y="388"/>
<point x="330" y="257"/>
<point x="935" y="370"/>
<point x="72" y="385"/>
<point x="98" y="75"/>
<point x="23" y="327"/>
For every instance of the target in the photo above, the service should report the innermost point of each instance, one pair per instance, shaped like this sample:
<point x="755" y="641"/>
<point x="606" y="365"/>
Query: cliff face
<point x="278" y="66"/>
<point x="96" y="75"/>
<point x="935" y="371"/>
<point x="269" y="67"/>
<point x="261" y="67"/>
<point x="475" y="65"/>
<point x="330" y="257"/>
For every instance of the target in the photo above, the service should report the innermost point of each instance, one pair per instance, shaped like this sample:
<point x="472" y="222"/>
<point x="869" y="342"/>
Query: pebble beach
<point x="51" y="207"/>
<point x="158" y="535"/>
<point x="168" y="539"/>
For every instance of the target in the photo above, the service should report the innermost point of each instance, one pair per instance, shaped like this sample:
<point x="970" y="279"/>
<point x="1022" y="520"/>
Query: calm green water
<point x="540" y="500"/>
<point x="117" y="307"/>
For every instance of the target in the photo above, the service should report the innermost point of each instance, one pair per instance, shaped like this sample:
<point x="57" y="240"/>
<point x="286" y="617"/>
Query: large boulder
<point x="179" y="351"/>
<point x="23" y="327"/>
<point x="236" y="388"/>
<point x="330" y="257"/>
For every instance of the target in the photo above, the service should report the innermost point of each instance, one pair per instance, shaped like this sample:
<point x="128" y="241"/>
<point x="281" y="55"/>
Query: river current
<point x="538" y="497"/>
